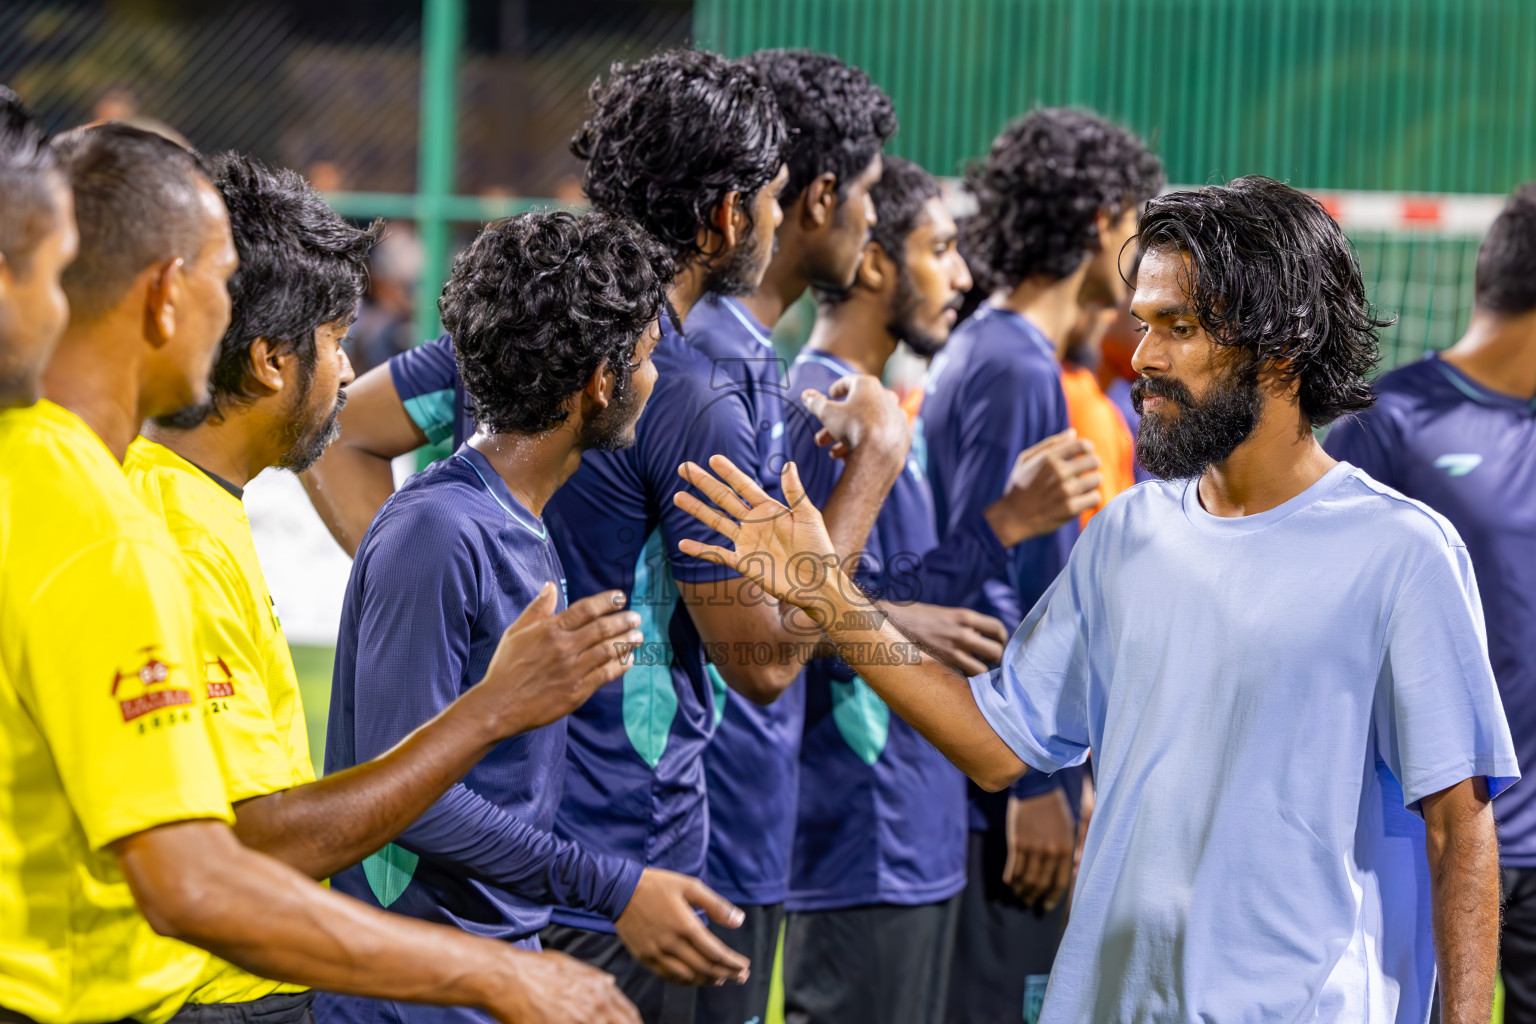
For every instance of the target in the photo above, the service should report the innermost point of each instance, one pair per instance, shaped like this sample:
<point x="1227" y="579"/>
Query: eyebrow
<point x="1164" y="312"/>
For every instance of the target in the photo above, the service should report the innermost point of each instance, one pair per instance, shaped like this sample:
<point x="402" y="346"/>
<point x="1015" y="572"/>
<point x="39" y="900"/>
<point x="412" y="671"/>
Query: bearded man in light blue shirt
<point x="1279" y="664"/>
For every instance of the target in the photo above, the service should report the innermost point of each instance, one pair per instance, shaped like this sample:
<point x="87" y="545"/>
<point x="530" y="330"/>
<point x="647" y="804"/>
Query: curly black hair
<point x="838" y="119"/>
<point x="301" y="266"/>
<point x="671" y="135"/>
<point x="538" y="302"/>
<point x="1040" y="187"/>
<point x="900" y="197"/>
<point x="28" y="172"/>
<point x="1506" y="261"/>
<point x="136" y="205"/>
<point x="1269" y="271"/>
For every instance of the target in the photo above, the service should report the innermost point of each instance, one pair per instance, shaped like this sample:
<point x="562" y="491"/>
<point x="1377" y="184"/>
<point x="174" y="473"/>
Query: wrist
<point x="498" y="982"/>
<point x="1005" y="527"/>
<point x="481" y="721"/>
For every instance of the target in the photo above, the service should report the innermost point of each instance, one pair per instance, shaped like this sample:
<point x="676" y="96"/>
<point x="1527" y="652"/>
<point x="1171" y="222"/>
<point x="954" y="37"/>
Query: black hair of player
<point x="538" y="302"/>
<point x="1040" y="188"/>
<point x="1506" y="261"/>
<point x="838" y="120"/>
<point x="301" y="266"/>
<point x="1271" y="272"/>
<point x="900" y="197"/>
<point x="29" y="172"/>
<point x="671" y="135"/>
<point x="135" y="206"/>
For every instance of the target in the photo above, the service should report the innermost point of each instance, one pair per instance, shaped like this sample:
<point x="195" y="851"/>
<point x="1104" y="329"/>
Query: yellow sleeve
<point x="108" y="672"/>
<point x="233" y="668"/>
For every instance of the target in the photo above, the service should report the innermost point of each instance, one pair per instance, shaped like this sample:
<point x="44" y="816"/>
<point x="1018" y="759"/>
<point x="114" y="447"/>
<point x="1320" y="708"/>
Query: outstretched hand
<point x="783" y="548"/>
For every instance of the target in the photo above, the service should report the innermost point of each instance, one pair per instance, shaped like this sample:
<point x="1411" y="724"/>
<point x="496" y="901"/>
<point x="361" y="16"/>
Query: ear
<point x="160" y="300"/>
<point x="1103" y="222"/>
<point x="877" y="271"/>
<point x="729" y="224"/>
<point x="268" y="364"/>
<point x="600" y="387"/>
<point x="819" y="201"/>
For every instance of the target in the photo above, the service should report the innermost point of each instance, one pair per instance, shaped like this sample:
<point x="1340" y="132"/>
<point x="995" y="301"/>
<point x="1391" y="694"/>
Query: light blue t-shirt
<point x="1263" y="696"/>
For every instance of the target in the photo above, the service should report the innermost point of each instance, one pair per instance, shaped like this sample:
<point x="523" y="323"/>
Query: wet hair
<point x="1040" y="188"/>
<point x="838" y="119"/>
<point x="538" y="302"/>
<point x="1271" y="272"/>
<point x="1506" y="262"/>
<point x="29" y="170"/>
<point x="301" y="266"/>
<point x="135" y="205"/>
<point x="900" y="197"/>
<point x="670" y="136"/>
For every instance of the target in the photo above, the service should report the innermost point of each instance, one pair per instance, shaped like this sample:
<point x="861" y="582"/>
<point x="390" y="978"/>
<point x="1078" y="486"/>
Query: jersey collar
<point x="496" y="487"/>
<point x="1474" y="391"/>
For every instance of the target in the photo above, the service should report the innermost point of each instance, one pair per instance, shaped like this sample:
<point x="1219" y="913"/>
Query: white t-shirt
<point x="1263" y="697"/>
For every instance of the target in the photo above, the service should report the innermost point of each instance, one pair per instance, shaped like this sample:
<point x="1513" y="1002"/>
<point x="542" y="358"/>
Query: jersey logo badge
<point x="218" y="679"/>
<point x="1459" y="464"/>
<point x="144" y="689"/>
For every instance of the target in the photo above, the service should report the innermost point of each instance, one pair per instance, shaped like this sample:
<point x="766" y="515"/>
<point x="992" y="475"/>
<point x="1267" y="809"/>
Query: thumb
<point x="719" y="909"/>
<point x="814" y="401"/>
<point x="538" y="610"/>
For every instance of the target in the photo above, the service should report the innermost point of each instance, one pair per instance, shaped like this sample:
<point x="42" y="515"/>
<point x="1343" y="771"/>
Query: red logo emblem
<point x="143" y="689"/>
<point x="218" y="679"/>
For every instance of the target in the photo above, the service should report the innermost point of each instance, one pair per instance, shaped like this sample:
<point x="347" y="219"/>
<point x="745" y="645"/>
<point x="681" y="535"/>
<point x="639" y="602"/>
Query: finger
<point x="741" y="482"/>
<point x="982" y="648"/>
<point x="839" y="450"/>
<point x="605" y="673"/>
<point x="598" y="633"/>
<point x="716" y="907"/>
<point x="708" y="552"/>
<point x="1081" y="464"/>
<point x="1054" y="441"/>
<point x="965" y="664"/>
<point x="789" y="481"/>
<point x="674" y="969"/>
<point x="721" y="524"/>
<point x="710" y="959"/>
<point x="824" y="437"/>
<point x="589" y="608"/>
<point x="814" y="401"/>
<point x="1013" y="868"/>
<point x="843" y="386"/>
<point x="1082" y="484"/>
<point x="1059" y="883"/>
<point x="616" y="649"/>
<point x="1078" y="504"/>
<point x="540" y="608"/>
<point x="1037" y="875"/>
<point x="987" y="626"/>
<point x="714" y="489"/>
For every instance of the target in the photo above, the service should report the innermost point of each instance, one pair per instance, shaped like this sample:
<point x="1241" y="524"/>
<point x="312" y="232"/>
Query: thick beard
<point x="1203" y="433"/>
<point x="903" y="324"/>
<point x="613" y="428"/>
<point x="741" y="270"/>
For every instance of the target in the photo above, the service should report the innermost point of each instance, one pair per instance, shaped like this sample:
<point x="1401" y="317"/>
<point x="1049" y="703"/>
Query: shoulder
<point x="424" y="369"/>
<point x="1394" y="517"/>
<point x="809" y="372"/>
<point x="712" y="328"/>
<point x="434" y="520"/>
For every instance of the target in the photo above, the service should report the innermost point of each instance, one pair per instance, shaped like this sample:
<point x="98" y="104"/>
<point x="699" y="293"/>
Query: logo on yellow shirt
<point x="218" y="679"/>
<point x="146" y="689"/>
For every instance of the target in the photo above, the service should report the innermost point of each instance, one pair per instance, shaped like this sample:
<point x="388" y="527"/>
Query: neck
<point x="1051" y="304"/>
<point x="1280" y="459"/>
<point x="855" y="333"/>
<point x="532" y="465"/>
<point x="1499" y="352"/>
<point x="96" y="376"/>
<point x="229" y="448"/>
<point x="687" y="288"/>
<point x="782" y="287"/>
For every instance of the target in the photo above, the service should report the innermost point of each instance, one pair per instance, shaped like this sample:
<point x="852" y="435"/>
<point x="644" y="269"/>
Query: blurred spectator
<point x="326" y="176"/>
<point x="1092" y="414"/>
<point x="385" y="324"/>
<point x="120" y="104"/>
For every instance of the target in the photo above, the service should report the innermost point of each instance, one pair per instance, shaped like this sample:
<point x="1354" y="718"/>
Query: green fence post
<point x="442" y="33"/>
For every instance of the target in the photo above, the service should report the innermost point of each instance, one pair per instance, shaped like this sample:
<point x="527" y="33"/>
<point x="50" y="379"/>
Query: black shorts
<point x="278" y="1008"/>
<point x="658" y="1001"/>
<point x="1003" y="949"/>
<point x="758" y="940"/>
<point x="880" y="964"/>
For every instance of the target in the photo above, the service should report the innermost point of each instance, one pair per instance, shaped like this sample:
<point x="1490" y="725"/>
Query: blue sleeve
<point x="1365" y="440"/>
<point x="1037" y="701"/>
<point x="426" y="378"/>
<point x="953" y="572"/>
<point x="413" y="647"/>
<point x="688" y="422"/>
<point x="1438" y="716"/>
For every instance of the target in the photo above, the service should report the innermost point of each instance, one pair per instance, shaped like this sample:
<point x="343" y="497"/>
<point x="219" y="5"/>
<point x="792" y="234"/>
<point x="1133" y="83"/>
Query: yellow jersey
<point x="255" y="715"/>
<point x="101" y="726"/>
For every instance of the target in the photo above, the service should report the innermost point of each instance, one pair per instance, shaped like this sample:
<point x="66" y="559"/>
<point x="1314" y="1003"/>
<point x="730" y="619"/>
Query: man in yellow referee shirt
<point x="276" y="390"/>
<point x="114" y="834"/>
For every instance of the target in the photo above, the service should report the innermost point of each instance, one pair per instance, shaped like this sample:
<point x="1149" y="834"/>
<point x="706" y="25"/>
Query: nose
<point x="962" y="279"/>
<point x="873" y="218"/>
<point x="348" y="375"/>
<point x="1149" y="357"/>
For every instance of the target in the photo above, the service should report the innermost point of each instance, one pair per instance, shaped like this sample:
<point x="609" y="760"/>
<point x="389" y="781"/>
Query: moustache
<point x="1168" y="388"/>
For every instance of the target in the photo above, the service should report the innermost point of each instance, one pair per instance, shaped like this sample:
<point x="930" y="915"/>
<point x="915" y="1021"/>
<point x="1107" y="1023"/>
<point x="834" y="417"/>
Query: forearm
<point x="929" y="696"/>
<point x="347" y="487"/>
<point x="1463" y="857"/>
<point x="332" y="823"/>
<point x="268" y="919"/>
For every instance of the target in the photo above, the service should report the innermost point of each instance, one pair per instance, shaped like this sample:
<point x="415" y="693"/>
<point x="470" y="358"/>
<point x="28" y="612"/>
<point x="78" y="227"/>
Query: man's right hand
<point x="965" y="640"/>
<point x="661" y="928"/>
<point x="1051" y="483"/>
<point x="552" y="988"/>
<point x="860" y="412"/>
<point x="547" y="665"/>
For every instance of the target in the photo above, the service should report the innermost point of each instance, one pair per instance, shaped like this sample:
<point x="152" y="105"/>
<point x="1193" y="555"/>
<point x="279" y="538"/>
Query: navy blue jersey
<point x="882" y="813"/>
<point x="427" y="381"/>
<point x="1470" y="454"/>
<point x="448" y="563"/>
<point x="635" y="785"/>
<point x="752" y="765"/>
<point x="993" y="391"/>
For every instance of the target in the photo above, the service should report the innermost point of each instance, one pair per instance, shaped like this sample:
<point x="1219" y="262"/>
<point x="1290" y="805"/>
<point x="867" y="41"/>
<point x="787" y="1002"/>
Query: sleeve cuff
<point x="1000" y="715"/>
<point x="1501" y="773"/>
<point x="625" y="878"/>
<point x="1036" y="783"/>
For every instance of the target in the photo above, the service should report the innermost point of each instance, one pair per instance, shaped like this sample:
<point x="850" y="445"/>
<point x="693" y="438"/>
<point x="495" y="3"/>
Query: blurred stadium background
<point x="1410" y="118"/>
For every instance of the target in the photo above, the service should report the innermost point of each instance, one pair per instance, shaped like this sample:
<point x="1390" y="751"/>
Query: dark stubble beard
<point x="1201" y="433"/>
<point x="613" y="428"/>
<point x="903" y="325"/>
<point x="309" y="445"/>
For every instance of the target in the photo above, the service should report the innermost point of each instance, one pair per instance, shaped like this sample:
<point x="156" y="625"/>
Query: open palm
<point x="783" y="548"/>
